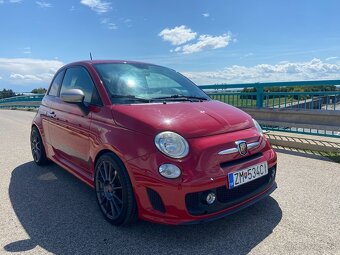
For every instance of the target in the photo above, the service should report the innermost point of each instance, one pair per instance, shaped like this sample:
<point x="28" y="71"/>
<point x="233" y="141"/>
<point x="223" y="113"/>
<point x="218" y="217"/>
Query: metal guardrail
<point x="288" y="108"/>
<point x="322" y="101"/>
<point x="314" y="122"/>
<point x="294" y="100"/>
<point x="21" y="102"/>
<point x="261" y="98"/>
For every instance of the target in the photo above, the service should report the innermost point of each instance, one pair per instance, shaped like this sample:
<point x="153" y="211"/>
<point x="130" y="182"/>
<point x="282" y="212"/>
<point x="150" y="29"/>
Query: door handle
<point x="51" y="114"/>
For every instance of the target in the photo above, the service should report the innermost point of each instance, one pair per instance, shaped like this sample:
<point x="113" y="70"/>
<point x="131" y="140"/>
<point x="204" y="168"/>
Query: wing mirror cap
<point x="73" y="96"/>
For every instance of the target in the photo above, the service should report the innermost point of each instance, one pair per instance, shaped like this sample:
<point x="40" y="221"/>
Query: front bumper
<point x="240" y="207"/>
<point x="177" y="202"/>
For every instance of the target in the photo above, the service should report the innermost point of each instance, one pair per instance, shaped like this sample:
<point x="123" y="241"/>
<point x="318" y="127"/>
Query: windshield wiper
<point x="132" y="97"/>
<point x="181" y="97"/>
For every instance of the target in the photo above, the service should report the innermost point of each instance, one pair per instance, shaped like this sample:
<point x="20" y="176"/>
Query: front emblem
<point x="242" y="147"/>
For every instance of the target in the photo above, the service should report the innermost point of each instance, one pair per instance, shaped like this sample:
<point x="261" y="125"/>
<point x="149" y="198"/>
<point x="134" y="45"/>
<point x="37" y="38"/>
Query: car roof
<point x="92" y="62"/>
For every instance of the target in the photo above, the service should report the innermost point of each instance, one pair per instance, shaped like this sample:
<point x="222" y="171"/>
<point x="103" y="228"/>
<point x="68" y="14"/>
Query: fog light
<point x="169" y="171"/>
<point x="210" y="198"/>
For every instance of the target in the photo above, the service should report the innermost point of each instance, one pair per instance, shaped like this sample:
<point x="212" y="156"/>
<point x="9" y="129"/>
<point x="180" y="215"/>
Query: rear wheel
<point x="37" y="148"/>
<point x="115" y="195"/>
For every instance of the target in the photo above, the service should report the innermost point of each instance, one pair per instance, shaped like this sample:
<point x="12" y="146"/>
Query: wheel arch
<point x="35" y="126"/>
<point x="41" y="132"/>
<point x="104" y="151"/>
<point x="132" y="215"/>
<point x="117" y="158"/>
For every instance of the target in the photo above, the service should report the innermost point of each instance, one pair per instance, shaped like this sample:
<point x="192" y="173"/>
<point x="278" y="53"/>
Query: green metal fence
<point x="21" y="102"/>
<point x="328" y="100"/>
<point x="263" y="98"/>
<point x="260" y="98"/>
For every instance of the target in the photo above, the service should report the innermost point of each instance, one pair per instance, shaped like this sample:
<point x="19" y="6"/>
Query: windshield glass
<point x="142" y="83"/>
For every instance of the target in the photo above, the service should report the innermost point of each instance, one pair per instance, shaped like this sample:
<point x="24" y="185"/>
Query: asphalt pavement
<point x="45" y="210"/>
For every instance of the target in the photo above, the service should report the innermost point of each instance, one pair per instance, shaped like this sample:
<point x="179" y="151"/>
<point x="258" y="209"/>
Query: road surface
<point x="46" y="210"/>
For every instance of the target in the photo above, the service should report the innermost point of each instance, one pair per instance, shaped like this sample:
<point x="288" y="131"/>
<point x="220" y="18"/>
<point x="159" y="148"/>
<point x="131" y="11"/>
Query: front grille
<point x="155" y="200"/>
<point x="227" y="197"/>
<point x="241" y="160"/>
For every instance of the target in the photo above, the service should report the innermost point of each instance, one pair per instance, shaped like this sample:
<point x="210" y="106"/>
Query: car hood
<point x="189" y="119"/>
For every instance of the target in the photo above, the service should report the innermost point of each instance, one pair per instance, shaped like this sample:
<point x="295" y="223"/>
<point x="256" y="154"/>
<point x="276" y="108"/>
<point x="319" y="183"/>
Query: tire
<point x="37" y="148"/>
<point x="114" y="192"/>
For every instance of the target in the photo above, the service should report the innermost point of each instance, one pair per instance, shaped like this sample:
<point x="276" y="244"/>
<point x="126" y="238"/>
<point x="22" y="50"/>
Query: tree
<point x="6" y="93"/>
<point x="39" y="91"/>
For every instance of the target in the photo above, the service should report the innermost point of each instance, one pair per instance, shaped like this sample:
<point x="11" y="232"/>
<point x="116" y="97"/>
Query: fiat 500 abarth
<point x="151" y="143"/>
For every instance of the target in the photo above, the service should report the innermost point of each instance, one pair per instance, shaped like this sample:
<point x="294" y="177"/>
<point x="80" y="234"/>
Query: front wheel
<point x="37" y="148"/>
<point x="115" y="195"/>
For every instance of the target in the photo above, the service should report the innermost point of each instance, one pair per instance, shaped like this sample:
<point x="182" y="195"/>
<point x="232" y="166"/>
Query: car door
<point x="46" y="108"/>
<point x="70" y="127"/>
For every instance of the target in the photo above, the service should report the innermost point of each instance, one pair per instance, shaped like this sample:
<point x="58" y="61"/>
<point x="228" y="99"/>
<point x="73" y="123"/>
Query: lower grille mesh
<point x="155" y="200"/>
<point x="228" y="197"/>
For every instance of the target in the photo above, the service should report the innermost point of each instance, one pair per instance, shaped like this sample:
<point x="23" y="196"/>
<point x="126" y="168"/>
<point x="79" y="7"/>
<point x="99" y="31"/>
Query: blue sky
<point x="216" y="41"/>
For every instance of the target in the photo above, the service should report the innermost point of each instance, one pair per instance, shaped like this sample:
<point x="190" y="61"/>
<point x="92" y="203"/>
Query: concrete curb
<point x="305" y="142"/>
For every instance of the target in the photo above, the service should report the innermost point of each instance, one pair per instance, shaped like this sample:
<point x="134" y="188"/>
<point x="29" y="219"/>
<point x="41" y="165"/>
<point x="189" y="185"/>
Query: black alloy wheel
<point x="37" y="148"/>
<point x="114" y="191"/>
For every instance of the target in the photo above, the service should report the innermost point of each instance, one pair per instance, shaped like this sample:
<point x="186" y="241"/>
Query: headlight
<point x="172" y="144"/>
<point x="258" y="127"/>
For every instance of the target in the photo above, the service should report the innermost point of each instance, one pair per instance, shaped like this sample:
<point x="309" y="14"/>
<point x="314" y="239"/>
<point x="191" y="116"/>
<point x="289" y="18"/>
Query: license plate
<point x="247" y="175"/>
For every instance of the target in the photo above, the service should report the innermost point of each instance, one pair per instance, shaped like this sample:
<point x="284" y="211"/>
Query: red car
<point x="151" y="143"/>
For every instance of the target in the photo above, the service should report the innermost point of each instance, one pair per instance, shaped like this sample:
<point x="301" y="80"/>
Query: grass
<point x="236" y="100"/>
<point x="334" y="156"/>
<point x="21" y="109"/>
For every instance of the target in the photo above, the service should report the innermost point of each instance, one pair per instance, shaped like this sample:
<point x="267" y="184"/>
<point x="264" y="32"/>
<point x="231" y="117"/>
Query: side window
<point x="79" y="78"/>
<point x="54" y="88"/>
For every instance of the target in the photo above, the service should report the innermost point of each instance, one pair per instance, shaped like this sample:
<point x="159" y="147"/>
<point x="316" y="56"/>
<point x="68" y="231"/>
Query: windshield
<point x="142" y="83"/>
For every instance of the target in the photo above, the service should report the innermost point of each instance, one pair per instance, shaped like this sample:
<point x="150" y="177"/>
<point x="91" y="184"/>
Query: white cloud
<point x="205" y="15"/>
<point x="177" y="35"/>
<point x="27" y="50"/>
<point x="11" y="1"/>
<point x="43" y="4"/>
<point x="27" y="77"/>
<point x="127" y="22"/>
<point x="205" y="42"/>
<point x="181" y="35"/>
<point x="110" y="25"/>
<point x="331" y="58"/>
<point x="248" y="55"/>
<point x="105" y="20"/>
<point x="99" y="6"/>
<point x="26" y="70"/>
<point x="315" y="69"/>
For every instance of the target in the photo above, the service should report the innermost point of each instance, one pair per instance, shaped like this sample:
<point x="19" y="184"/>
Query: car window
<point x="156" y="80"/>
<point x="79" y="78"/>
<point x="140" y="83"/>
<point x="54" y="88"/>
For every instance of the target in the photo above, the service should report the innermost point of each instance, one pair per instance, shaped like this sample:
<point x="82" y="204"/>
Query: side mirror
<point x="73" y="96"/>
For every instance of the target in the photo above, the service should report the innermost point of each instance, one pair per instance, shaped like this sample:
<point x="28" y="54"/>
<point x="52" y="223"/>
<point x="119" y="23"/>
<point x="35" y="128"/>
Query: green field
<point x="236" y="100"/>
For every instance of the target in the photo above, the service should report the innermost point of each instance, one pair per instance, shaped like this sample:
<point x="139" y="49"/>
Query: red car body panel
<point x="185" y="118"/>
<point x="74" y="140"/>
